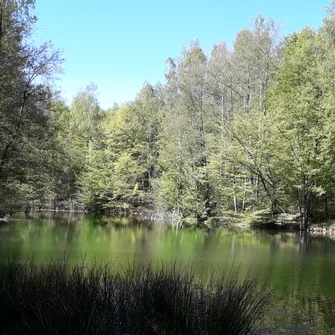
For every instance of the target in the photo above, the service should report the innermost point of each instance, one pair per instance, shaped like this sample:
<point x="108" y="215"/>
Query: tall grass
<point x="59" y="299"/>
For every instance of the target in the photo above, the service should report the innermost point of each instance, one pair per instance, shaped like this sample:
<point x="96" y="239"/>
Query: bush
<point x="60" y="299"/>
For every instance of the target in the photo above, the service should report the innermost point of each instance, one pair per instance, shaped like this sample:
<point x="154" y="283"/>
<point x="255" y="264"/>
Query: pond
<point x="299" y="267"/>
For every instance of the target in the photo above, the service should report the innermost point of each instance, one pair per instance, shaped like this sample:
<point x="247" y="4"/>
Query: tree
<point x="239" y="81"/>
<point x="184" y="138"/>
<point x="25" y="95"/>
<point x="296" y="99"/>
<point x="123" y="161"/>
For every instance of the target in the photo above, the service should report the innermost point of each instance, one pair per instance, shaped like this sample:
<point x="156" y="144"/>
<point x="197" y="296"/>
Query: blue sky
<point x="119" y="44"/>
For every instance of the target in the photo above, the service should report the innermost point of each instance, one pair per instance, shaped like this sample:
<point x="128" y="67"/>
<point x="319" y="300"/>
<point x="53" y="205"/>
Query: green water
<point x="300" y="268"/>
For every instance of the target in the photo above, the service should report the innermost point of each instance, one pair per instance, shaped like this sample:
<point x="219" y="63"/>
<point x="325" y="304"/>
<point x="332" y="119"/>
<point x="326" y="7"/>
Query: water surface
<point x="300" y="268"/>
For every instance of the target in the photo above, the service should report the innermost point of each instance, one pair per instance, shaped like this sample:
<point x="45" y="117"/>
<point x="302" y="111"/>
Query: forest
<point x="244" y="130"/>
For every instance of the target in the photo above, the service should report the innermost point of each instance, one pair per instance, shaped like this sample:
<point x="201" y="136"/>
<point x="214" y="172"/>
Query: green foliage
<point x="123" y="157"/>
<point x="183" y="155"/>
<point x="299" y="137"/>
<point x="244" y="131"/>
<point x="25" y="127"/>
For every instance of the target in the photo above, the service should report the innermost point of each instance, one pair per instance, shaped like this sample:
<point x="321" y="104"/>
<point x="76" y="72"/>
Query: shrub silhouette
<point x="61" y="299"/>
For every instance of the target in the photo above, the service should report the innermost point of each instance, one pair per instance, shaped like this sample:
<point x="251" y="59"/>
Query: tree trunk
<point x="304" y="220"/>
<point x="304" y="212"/>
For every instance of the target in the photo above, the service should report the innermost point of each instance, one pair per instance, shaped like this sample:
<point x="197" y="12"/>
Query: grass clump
<point x="61" y="299"/>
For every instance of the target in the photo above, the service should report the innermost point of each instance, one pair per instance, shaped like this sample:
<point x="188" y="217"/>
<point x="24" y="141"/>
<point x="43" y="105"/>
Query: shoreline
<point x="253" y="221"/>
<point x="211" y="223"/>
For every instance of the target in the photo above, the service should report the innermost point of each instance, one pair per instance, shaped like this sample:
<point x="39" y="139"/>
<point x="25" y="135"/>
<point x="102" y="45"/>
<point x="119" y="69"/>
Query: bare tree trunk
<point x="235" y="199"/>
<point x="244" y="194"/>
<point x="235" y="204"/>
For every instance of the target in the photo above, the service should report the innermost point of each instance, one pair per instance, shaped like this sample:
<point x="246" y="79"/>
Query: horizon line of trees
<point x="247" y="130"/>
